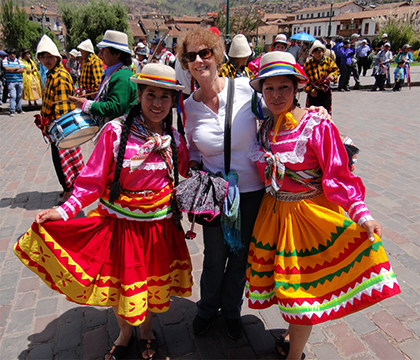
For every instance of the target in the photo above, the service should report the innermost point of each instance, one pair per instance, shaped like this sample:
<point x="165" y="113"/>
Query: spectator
<point x="239" y="53"/>
<point x="383" y="58"/>
<point x="336" y="48"/>
<point x="31" y="79"/>
<point x="328" y="41"/>
<point x="381" y="43"/>
<point x="399" y="76"/>
<point x="294" y="48"/>
<point x="73" y="65"/>
<point x="304" y="53"/>
<point x="353" y="69"/>
<point x="362" y="54"/>
<point x="92" y="69"/>
<point x="3" y="54"/>
<point x="280" y="43"/>
<point x="346" y="66"/>
<point x="162" y="55"/>
<point x="329" y="52"/>
<point x="14" y="69"/>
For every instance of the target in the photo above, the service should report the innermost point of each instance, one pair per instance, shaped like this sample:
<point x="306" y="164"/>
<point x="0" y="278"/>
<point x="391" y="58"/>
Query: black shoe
<point x="341" y="90"/>
<point x="346" y="89"/>
<point x="356" y="87"/>
<point x="201" y="325"/>
<point x="373" y="89"/>
<point x="234" y="328"/>
<point x="20" y="111"/>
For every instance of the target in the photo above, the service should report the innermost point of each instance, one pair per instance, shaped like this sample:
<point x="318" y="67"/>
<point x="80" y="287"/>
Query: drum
<point x="72" y="129"/>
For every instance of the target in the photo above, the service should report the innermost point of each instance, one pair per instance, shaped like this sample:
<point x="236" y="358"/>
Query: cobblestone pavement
<point x="37" y="323"/>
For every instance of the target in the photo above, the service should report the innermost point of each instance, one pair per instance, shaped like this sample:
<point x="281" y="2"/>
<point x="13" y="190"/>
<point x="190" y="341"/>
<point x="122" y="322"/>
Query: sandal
<point x="284" y="345"/>
<point x="117" y="352"/>
<point x="148" y="344"/>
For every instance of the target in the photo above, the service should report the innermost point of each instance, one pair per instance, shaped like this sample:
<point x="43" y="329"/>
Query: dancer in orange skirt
<point x="129" y="253"/>
<point x="306" y="256"/>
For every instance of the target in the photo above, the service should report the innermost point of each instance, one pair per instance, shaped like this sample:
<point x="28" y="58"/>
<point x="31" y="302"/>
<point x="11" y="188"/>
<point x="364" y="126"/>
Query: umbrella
<point x="303" y="37"/>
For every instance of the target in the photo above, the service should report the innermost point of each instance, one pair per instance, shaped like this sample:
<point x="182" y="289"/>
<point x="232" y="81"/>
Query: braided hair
<point x="116" y="185"/>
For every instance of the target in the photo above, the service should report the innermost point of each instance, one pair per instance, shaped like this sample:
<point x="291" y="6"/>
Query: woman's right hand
<point x="49" y="214"/>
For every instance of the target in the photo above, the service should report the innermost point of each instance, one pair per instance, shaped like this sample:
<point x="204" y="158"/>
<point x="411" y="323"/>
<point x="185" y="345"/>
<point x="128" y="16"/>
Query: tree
<point x="15" y="25"/>
<point x="243" y="20"/>
<point x="402" y="28"/>
<point x="90" y="21"/>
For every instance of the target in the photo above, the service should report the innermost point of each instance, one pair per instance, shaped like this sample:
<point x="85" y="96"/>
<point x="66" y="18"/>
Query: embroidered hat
<point x="115" y="39"/>
<point x="277" y="63"/>
<point x="73" y="52"/>
<point x="86" y="46"/>
<point x="317" y="45"/>
<point x="158" y="75"/>
<point x="239" y="47"/>
<point x="281" y="38"/>
<point x="47" y="45"/>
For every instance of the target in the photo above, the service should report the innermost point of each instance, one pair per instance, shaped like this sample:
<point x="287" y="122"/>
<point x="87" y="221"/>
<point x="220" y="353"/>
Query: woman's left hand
<point x="372" y="227"/>
<point x="322" y="112"/>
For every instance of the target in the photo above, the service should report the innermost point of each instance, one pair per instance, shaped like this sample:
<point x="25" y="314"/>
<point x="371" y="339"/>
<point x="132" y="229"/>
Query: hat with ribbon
<point x="158" y="75"/>
<point x="115" y="39"/>
<point x="48" y="46"/>
<point x="86" y="46"/>
<point x="280" y="38"/>
<point x="278" y="63"/>
<point x="239" y="47"/>
<point x="317" y="45"/>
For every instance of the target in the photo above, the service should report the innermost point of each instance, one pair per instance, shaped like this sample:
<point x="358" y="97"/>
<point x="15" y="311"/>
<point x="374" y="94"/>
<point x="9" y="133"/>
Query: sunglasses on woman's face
<point x="203" y="54"/>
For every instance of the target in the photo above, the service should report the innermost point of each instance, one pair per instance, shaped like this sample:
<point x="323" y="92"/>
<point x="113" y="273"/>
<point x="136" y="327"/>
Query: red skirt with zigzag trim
<point x="314" y="263"/>
<point x="105" y="261"/>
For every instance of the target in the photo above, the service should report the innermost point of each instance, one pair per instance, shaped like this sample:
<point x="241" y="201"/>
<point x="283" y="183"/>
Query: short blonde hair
<point x="201" y="36"/>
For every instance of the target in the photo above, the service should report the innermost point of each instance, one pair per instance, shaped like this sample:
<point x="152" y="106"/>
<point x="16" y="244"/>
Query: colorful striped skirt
<point x="314" y="263"/>
<point x="109" y="261"/>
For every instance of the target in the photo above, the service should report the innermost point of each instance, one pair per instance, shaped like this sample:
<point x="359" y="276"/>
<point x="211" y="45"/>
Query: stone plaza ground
<point x="37" y="323"/>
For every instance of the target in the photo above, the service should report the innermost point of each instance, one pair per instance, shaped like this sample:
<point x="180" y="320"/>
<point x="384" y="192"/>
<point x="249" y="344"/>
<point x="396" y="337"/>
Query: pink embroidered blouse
<point x="316" y="142"/>
<point x="98" y="173"/>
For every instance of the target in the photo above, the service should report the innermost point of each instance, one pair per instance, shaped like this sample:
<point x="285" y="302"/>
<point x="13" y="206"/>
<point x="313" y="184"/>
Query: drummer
<point x="59" y="86"/>
<point x="116" y="93"/>
<point x="92" y="69"/>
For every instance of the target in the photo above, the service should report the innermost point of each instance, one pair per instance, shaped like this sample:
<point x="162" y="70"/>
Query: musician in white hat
<point x="58" y="87"/>
<point x="92" y="68"/>
<point x="239" y="52"/>
<point x="117" y="93"/>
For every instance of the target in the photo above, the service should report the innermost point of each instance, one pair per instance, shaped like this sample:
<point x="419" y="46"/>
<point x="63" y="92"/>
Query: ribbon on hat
<point x="161" y="79"/>
<point x="282" y="66"/>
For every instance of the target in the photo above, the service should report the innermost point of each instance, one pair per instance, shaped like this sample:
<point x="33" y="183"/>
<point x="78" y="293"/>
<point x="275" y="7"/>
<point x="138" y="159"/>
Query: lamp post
<point x="329" y="25"/>
<point x="43" y="15"/>
<point x="227" y="20"/>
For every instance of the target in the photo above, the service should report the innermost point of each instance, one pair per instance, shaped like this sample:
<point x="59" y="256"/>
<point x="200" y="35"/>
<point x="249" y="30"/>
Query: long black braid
<point x="174" y="206"/>
<point x="116" y="185"/>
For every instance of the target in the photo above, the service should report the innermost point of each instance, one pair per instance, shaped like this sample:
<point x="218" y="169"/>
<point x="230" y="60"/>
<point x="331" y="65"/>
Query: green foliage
<point x="242" y="21"/>
<point x="15" y="25"/>
<point x="401" y="29"/>
<point x="90" y="21"/>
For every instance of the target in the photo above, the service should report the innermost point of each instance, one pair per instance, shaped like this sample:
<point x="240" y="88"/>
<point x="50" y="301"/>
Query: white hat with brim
<point x="86" y="46"/>
<point x="387" y="44"/>
<point x="158" y="75"/>
<point x="277" y="63"/>
<point x="239" y="47"/>
<point x="317" y="45"/>
<point x="73" y="52"/>
<point x="281" y="38"/>
<point x="115" y="39"/>
<point x="48" y="46"/>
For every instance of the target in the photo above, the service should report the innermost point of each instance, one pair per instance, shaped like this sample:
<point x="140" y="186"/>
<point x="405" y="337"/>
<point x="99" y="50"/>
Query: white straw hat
<point x="276" y="63"/>
<point x="281" y="38"/>
<point x="47" y="45"/>
<point x="158" y="75"/>
<point x="317" y="45"/>
<point x="73" y="52"/>
<point x="239" y="47"/>
<point x="115" y="39"/>
<point x="86" y="46"/>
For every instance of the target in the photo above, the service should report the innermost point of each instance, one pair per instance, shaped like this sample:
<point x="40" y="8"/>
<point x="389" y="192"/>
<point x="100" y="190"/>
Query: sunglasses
<point x="203" y="54"/>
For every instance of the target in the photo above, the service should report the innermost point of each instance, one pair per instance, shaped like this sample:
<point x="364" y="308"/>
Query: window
<point x="315" y="32"/>
<point x="356" y="26"/>
<point x="322" y="14"/>
<point x="304" y="29"/>
<point x="312" y="15"/>
<point x="347" y="26"/>
<point x="338" y="29"/>
<point x="319" y="15"/>
<point x="47" y="19"/>
<point x="319" y="30"/>
<point x="366" y="28"/>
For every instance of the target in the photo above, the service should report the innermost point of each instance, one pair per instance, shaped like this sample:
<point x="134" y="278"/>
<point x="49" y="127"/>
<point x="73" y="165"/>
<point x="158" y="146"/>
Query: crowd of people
<point x="289" y="173"/>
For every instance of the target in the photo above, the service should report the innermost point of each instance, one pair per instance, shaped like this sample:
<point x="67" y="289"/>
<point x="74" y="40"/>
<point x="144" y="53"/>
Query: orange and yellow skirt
<point x="314" y="263"/>
<point x="111" y="260"/>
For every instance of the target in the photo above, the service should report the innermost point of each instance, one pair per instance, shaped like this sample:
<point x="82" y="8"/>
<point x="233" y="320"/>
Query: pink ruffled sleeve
<point x="339" y="184"/>
<point x="91" y="182"/>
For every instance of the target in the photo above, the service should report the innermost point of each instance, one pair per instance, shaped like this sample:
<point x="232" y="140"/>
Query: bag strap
<point x="228" y="124"/>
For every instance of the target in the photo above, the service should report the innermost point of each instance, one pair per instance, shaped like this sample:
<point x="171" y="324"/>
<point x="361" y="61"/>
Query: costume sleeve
<point x="120" y="91"/>
<point x="63" y="88"/>
<point x="309" y="71"/>
<point x="339" y="184"/>
<point x="97" y="72"/>
<point x="92" y="181"/>
<point x="333" y="69"/>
